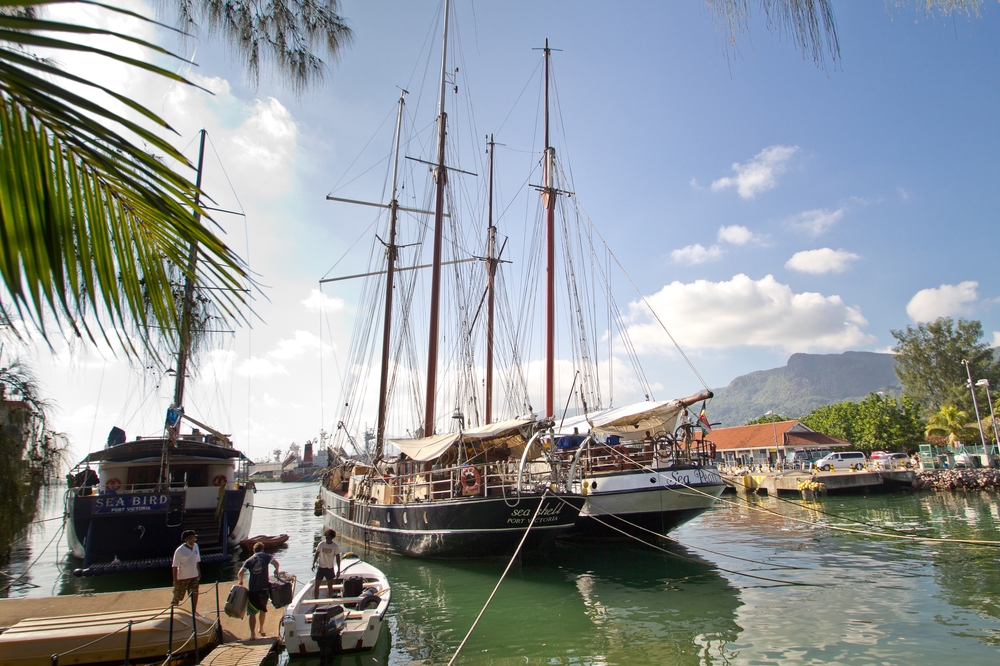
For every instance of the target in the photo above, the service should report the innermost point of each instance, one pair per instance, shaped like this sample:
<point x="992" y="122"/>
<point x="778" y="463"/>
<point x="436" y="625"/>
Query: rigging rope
<point x="517" y="550"/>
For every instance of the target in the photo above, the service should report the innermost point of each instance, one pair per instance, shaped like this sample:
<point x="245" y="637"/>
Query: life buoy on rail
<point x="221" y="480"/>
<point x="113" y="485"/>
<point x="470" y="481"/>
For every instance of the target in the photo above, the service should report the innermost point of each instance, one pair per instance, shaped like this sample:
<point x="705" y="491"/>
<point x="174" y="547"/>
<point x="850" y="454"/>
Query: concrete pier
<point x="791" y="482"/>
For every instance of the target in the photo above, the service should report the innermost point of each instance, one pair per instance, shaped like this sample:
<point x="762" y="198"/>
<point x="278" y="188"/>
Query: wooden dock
<point x="249" y="653"/>
<point x="237" y="648"/>
<point x="793" y="482"/>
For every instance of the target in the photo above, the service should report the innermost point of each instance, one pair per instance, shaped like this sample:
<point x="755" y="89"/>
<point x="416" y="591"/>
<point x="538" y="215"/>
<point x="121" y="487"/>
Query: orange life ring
<point x="711" y="449"/>
<point x="471" y="480"/>
<point x="113" y="485"/>
<point x="221" y="480"/>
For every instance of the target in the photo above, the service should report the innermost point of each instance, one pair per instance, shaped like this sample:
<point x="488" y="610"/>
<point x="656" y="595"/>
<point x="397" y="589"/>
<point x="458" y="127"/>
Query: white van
<point x="842" y="461"/>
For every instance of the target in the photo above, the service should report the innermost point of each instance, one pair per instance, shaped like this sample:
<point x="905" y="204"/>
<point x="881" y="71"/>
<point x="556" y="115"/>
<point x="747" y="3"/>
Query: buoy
<point x="77" y="572"/>
<point x="88" y="572"/>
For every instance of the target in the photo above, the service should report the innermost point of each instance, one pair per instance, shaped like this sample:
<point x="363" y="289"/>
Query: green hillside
<point x="806" y="382"/>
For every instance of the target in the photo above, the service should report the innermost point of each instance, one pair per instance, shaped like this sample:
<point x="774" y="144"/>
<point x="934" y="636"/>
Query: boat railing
<point x="593" y="456"/>
<point x="490" y="479"/>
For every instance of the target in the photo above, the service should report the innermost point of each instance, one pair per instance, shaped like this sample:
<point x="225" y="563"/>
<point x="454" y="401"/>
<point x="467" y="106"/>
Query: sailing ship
<point x="475" y="492"/>
<point x="130" y="511"/>
<point x="640" y="467"/>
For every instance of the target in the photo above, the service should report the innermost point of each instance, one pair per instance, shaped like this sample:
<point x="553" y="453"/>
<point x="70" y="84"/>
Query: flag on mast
<point x="703" y="421"/>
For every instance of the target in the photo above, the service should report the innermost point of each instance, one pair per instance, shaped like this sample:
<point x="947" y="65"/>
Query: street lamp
<point x="996" y="435"/>
<point x="774" y="429"/>
<point x="975" y="405"/>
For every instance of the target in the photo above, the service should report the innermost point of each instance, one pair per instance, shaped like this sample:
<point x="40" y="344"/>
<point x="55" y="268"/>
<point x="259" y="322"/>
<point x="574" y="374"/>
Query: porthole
<point x="425" y="518"/>
<point x="404" y="519"/>
<point x="652" y="479"/>
<point x="594" y="485"/>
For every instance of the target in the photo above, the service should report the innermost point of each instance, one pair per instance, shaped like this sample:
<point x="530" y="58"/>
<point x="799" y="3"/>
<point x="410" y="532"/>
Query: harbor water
<point x="755" y="581"/>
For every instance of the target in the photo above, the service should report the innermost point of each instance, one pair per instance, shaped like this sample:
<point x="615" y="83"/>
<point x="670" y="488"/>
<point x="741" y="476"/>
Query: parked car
<point x="843" y="460"/>
<point x="896" y="461"/>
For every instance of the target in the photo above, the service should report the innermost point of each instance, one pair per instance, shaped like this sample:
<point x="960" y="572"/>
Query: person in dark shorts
<point x="259" y="587"/>
<point x="186" y="568"/>
<point x="328" y="555"/>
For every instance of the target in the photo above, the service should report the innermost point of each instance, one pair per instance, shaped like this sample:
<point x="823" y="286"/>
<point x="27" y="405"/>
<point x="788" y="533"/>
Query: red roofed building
<point x="761" y="443"/>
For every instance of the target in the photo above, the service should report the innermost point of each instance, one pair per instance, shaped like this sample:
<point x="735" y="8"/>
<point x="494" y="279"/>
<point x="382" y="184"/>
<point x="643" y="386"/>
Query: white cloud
<point x="821" y="261"/>
<point x="696" y="254"/>
<point x="260" y="368"/>
<point x="736" y="235"/>
<point x="760" y="173"/>
<point x="301" y="343"/>
<point x="948" y="300"/>
<point x="818" y="221"/>
<point x="320" y="302"/>
<point x="746" y="312"/>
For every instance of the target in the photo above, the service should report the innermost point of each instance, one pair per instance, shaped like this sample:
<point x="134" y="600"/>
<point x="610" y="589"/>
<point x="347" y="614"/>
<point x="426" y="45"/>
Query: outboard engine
<point x="327" y="626"/>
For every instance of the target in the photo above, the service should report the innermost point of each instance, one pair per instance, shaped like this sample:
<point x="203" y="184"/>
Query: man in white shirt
<point x="187" y="569"/>
<point x="328" y="555"/>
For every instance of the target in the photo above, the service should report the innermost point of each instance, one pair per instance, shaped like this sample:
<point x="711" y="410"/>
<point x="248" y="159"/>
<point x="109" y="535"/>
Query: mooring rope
<point x="502" y="576"/>
<point x="838" y="528"/>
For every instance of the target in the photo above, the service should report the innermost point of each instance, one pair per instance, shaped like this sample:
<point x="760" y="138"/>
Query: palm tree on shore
<point x="952" y="424"/>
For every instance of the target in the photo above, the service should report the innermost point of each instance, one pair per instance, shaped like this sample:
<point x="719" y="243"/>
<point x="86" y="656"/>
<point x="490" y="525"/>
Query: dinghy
<point x="350" y="621"/>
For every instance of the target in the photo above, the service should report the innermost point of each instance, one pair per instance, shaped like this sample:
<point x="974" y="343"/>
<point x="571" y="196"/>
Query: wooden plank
<point x="251" y="653"/>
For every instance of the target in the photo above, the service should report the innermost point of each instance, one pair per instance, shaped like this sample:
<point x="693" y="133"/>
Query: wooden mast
<point x="441" y="177"/>
<point x="549" y="199"/>
<point x="491" y="263"/>
<point x="186" y="306"/>
<point x="390" y="250"/>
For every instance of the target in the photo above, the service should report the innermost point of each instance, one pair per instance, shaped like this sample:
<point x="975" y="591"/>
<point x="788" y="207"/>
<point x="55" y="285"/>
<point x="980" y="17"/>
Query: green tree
<point x="767" y="418"/>
<point x="837" y="420"/>
<point x="877" y="422"/>
<point x="952" y="424"/>
<point x="31" y="455"/>
<point x="929" y="362"/>
<point x="885" y="423"/>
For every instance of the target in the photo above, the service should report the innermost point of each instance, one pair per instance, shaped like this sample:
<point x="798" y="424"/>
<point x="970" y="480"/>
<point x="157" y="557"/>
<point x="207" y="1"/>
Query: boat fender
<point x="77" y="572"/>
<point x="471" y="480"/>
<point x="113" y="485"/>
<point x="711" y="449"/>
<point x="221" y="480"/>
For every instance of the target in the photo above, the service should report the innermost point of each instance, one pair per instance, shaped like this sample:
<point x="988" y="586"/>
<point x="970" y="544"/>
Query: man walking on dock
<point x="328" y="555"/>
<point x="260" y="585"/>
<point x="187" y="569"/>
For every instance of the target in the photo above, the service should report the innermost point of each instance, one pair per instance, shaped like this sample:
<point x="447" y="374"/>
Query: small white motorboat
<point x="349" y="621"/>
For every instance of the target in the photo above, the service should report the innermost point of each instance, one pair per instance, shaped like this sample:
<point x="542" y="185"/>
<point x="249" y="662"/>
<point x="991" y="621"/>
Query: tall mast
<point x="441" y="176"/>
<point x="491" y="244"/>
<point x="185" y="337"/>
<point x="549" y="199"/>
<point x="390" y="251"/>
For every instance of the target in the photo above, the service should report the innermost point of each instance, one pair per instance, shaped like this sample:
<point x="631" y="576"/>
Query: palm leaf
<point x="89" y="221"/>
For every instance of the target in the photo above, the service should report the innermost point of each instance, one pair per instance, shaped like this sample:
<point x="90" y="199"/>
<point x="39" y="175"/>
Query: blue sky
<point x="762" y="204"/>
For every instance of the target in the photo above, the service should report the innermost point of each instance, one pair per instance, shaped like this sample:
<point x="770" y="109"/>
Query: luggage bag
<point x="236" y="603"/>
<point x="281" y="592"/>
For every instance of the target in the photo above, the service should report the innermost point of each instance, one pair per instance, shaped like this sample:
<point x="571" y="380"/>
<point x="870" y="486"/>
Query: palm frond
<point x="89" y="221"/>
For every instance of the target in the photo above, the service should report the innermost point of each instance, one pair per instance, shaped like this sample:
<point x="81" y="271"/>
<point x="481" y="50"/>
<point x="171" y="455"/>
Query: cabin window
<point x="195" y="475"/>
<point x="143" y="476"/>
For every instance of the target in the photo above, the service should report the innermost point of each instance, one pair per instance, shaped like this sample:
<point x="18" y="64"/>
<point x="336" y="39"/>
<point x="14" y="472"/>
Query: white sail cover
<point x="514" y="433"/>
<point x="630" y="421"/>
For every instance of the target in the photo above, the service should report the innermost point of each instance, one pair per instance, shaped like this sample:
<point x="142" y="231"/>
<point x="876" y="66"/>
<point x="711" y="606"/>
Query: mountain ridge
<point x="805" y="382"/>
